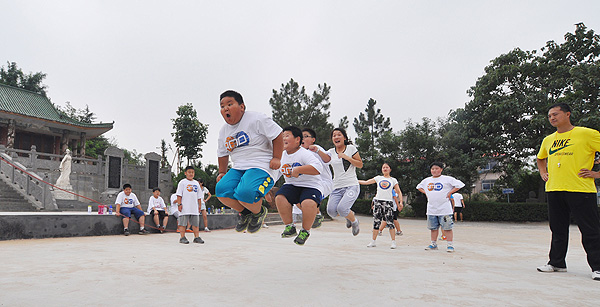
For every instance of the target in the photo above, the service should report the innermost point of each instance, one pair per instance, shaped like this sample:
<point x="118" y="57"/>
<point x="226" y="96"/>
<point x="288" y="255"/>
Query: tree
<point x="292" y="106"/>
<point x="189" y="133"/>
<point x="164" y="148"/>
<point x="14" y="76"/>
<point x="371" y="126"/>
<point x="81" y="115"/>
<point x="506" y="117"/>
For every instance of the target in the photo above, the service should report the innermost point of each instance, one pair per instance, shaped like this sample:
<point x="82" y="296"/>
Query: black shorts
<point x="458" y="209"/>
<point x="295" y="195"/>
<point x="161" y="213"/>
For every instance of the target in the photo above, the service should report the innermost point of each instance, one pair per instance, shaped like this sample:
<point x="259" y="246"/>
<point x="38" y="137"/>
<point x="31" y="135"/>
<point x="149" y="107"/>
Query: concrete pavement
<point x="494" y="264"/>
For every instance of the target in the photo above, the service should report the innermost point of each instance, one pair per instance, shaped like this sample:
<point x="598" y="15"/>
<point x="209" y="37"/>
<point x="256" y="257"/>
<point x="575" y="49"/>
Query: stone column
<point x="82" y="140"/>
<point x="64" y="142"/>
<point x="10" y="136"/>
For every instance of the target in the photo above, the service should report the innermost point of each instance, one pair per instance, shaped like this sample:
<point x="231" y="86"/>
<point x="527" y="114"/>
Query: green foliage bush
<point x="496" y="211"/>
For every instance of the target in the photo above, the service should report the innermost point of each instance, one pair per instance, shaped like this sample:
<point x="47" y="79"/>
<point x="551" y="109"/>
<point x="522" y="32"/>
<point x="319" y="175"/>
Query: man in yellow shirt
<point x="565" y="160"/>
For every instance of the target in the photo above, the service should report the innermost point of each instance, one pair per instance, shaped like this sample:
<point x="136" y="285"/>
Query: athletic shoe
<point x="550" y="268"/>
<point x="126" y="232"/>
<point x="399" y="233"/>
<point x="302" y="237"/>
<point x="380" y="234"/>
<point x="393" y="246"/>
<point x="450" y="249"/>
<point x="256" y="220"/>
<point x="348" y="223"/>
<point x="188" y="230"/>
<point x="206" y="229"/>
<point x="143" y="232"/>
<point x="289" y="231"/>
<point x="198" y="240"/>
<point x="184" y="240"/>
<point x="243" y="223"/>
<point x="161" y="229"/>
<point x="355" y="228"/>
<point x="596" y="275"/>
<point x="431" y="247"/>
<point x="372" y="244"/>
<point x="318" y="221"/>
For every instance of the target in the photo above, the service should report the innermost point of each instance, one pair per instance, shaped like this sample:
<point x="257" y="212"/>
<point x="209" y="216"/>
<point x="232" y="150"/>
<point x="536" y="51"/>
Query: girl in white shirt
<point x="344" y="161"/>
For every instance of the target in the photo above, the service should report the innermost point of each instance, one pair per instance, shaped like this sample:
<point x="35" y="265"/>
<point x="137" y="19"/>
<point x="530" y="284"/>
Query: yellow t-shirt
<point x="567" y="153"/>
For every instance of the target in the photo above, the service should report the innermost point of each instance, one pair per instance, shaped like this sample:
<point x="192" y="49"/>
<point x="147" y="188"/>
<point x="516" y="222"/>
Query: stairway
<point x="12" y="201"/>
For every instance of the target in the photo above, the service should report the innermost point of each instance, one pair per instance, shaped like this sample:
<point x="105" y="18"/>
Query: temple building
<point x="28" y="118"/>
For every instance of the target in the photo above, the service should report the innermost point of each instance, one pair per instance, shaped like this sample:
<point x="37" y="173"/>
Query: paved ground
<point x="494" y="264"/>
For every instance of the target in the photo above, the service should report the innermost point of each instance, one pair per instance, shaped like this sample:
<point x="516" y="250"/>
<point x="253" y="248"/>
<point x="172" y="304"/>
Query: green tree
<point x="189" y="133"/>
<point x="292" y="106"/>
<point x="13" y="75"/>
<point x="371" y="126"/>
<point x="164" y="148"/>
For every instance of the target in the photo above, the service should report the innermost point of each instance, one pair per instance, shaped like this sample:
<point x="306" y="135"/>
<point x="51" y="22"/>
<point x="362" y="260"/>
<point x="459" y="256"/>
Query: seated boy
<point x="156" y="208"/>
<point x="303" y="185"/>
<point x="254" y="143"/>
<point x="128" y="203"/>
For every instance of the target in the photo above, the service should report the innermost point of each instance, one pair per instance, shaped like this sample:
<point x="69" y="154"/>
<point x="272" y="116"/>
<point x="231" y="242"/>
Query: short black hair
<point x="438" y="164"/>
<point x="233" y="94"/>
<point x="201" y="181"/>
<point x="155" y="189"/>
<point x="312" y="133"/>
<point x="296" y="132"/>
<point x="127" y="185"/>
<point x="563" y="107"/>
<point x="189" y="167"/>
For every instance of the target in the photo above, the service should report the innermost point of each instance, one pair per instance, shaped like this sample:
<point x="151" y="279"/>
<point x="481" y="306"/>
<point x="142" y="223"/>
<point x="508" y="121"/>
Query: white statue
<point x="64" y="180"/>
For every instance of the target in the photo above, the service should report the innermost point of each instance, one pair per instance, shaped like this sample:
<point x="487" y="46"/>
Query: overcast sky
<point x="135" y="62"/>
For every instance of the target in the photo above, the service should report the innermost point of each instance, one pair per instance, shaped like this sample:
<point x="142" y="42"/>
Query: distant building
<point x="28" y="118"/>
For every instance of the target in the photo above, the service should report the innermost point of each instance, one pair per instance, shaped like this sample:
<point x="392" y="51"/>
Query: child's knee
<point x="332" y="211"/>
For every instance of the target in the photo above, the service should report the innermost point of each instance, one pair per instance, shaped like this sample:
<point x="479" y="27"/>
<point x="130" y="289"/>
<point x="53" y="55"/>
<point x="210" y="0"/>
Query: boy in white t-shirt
<point x="156" y="208"/>
<point x="189" y="200"/>
<point x="205" y="192"/>
<point x="128" y="203"/>
<point x="458" y="203"/>
<point x="309" y="137"/>
<point x="303" y="185"/>
<point x="439" y="188"/>
<point x="254" y="143"/>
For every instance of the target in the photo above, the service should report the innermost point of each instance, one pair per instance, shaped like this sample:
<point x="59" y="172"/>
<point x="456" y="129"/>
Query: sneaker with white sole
<point x="206" y="229"/>
<point x="184" y="240"/>
<point x="550" y="268"/>
<point x="348" y="223"/>
<point x="399" y="233"/>
<point x="372" y="244"/>
<point x="393" y="246"/>
<point x="431" y="247"/>
<point x="355" y="228"/>
<point x="596" y="275"/>
<point x="450" y="249"/>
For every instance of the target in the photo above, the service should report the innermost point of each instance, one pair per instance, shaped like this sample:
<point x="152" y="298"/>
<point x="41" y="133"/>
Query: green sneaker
<point x="289" y="231"/>
<point x="256" y="220"/>
<point x="243" y="223"/>
<point x="302" y="237"/>
<point x="318" y="221"/>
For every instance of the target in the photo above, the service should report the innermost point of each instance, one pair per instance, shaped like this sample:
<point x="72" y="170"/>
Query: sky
<point x="136" y="62"/>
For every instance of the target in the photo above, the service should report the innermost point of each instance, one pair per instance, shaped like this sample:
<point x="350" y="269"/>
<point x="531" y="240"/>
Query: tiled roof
<point x="23" y="102"/>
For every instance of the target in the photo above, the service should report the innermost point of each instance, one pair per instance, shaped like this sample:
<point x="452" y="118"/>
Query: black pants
<point x="584" y="208"/>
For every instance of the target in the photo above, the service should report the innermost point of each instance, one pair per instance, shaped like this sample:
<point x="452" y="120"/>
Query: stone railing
<point x="28" y="184"/>
<point x="41" y="161"/>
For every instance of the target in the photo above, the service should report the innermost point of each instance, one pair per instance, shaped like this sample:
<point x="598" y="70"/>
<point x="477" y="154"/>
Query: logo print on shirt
<point x="192" y="188"/>
<point x="240" y="139"/>
<point x="384" y="184"/>
<point x="128" y="201"/>
<point x="435" y="186"/>
<point x="287" y="169"/>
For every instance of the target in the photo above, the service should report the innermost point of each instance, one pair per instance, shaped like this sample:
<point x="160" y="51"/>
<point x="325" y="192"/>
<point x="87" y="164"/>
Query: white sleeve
<point x="421" y="185"/>
<point x="119" y="199"/>
<point x="179" y="189"/>
<point x="268" y="127"/>
<point x="221" y="150"/>
<point x="136" y="202"/>
<point x="150" y="204"/>
<point x="457" y="183"/>
<point x="313" y="161"/>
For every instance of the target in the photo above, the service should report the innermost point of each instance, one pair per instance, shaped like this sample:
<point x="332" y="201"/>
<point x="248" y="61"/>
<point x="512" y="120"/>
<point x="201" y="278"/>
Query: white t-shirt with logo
<point x="385" y="186"/>
<point x="157" y="203"/>
<point x="457" y="199"/>
<point x="204" y="193"/>
<point x="173" y="206"/>
<point x="249" y="143"/>
<point x="437" y="190"/>
<point x="326" y="178"/>
<point x="344" y="173"/>
<point x="300" y="158"/>
<point x="190" y="192"/>
<point x="127" y="201"/>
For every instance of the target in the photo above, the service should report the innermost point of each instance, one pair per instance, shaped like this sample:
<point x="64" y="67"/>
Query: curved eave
<point x="91" y="130"/>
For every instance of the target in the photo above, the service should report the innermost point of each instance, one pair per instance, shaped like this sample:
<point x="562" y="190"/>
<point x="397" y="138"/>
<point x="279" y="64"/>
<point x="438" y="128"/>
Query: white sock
<point x="434" y="243"/>
<point x="450" y="243"/>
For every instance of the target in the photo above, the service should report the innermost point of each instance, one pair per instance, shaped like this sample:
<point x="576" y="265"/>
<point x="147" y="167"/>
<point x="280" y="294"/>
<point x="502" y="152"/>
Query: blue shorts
<point x="136" y="212"/>
<point x="436" y="221"/>
<point x="247" y="186"/>
<point x="296" y="195"/>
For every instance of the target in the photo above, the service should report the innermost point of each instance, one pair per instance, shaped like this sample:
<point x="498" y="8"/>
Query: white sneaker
<point x="393" y="246"/>
<point x="550" y="268"/>
<point x="596" y="275"/>
<point x="372" y="244"/>
<point x="206" y="229"/>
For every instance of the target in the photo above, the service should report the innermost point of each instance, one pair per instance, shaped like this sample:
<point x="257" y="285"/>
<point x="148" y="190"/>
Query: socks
<point x="450" y="243"/>
<point x="434" y="243"/>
